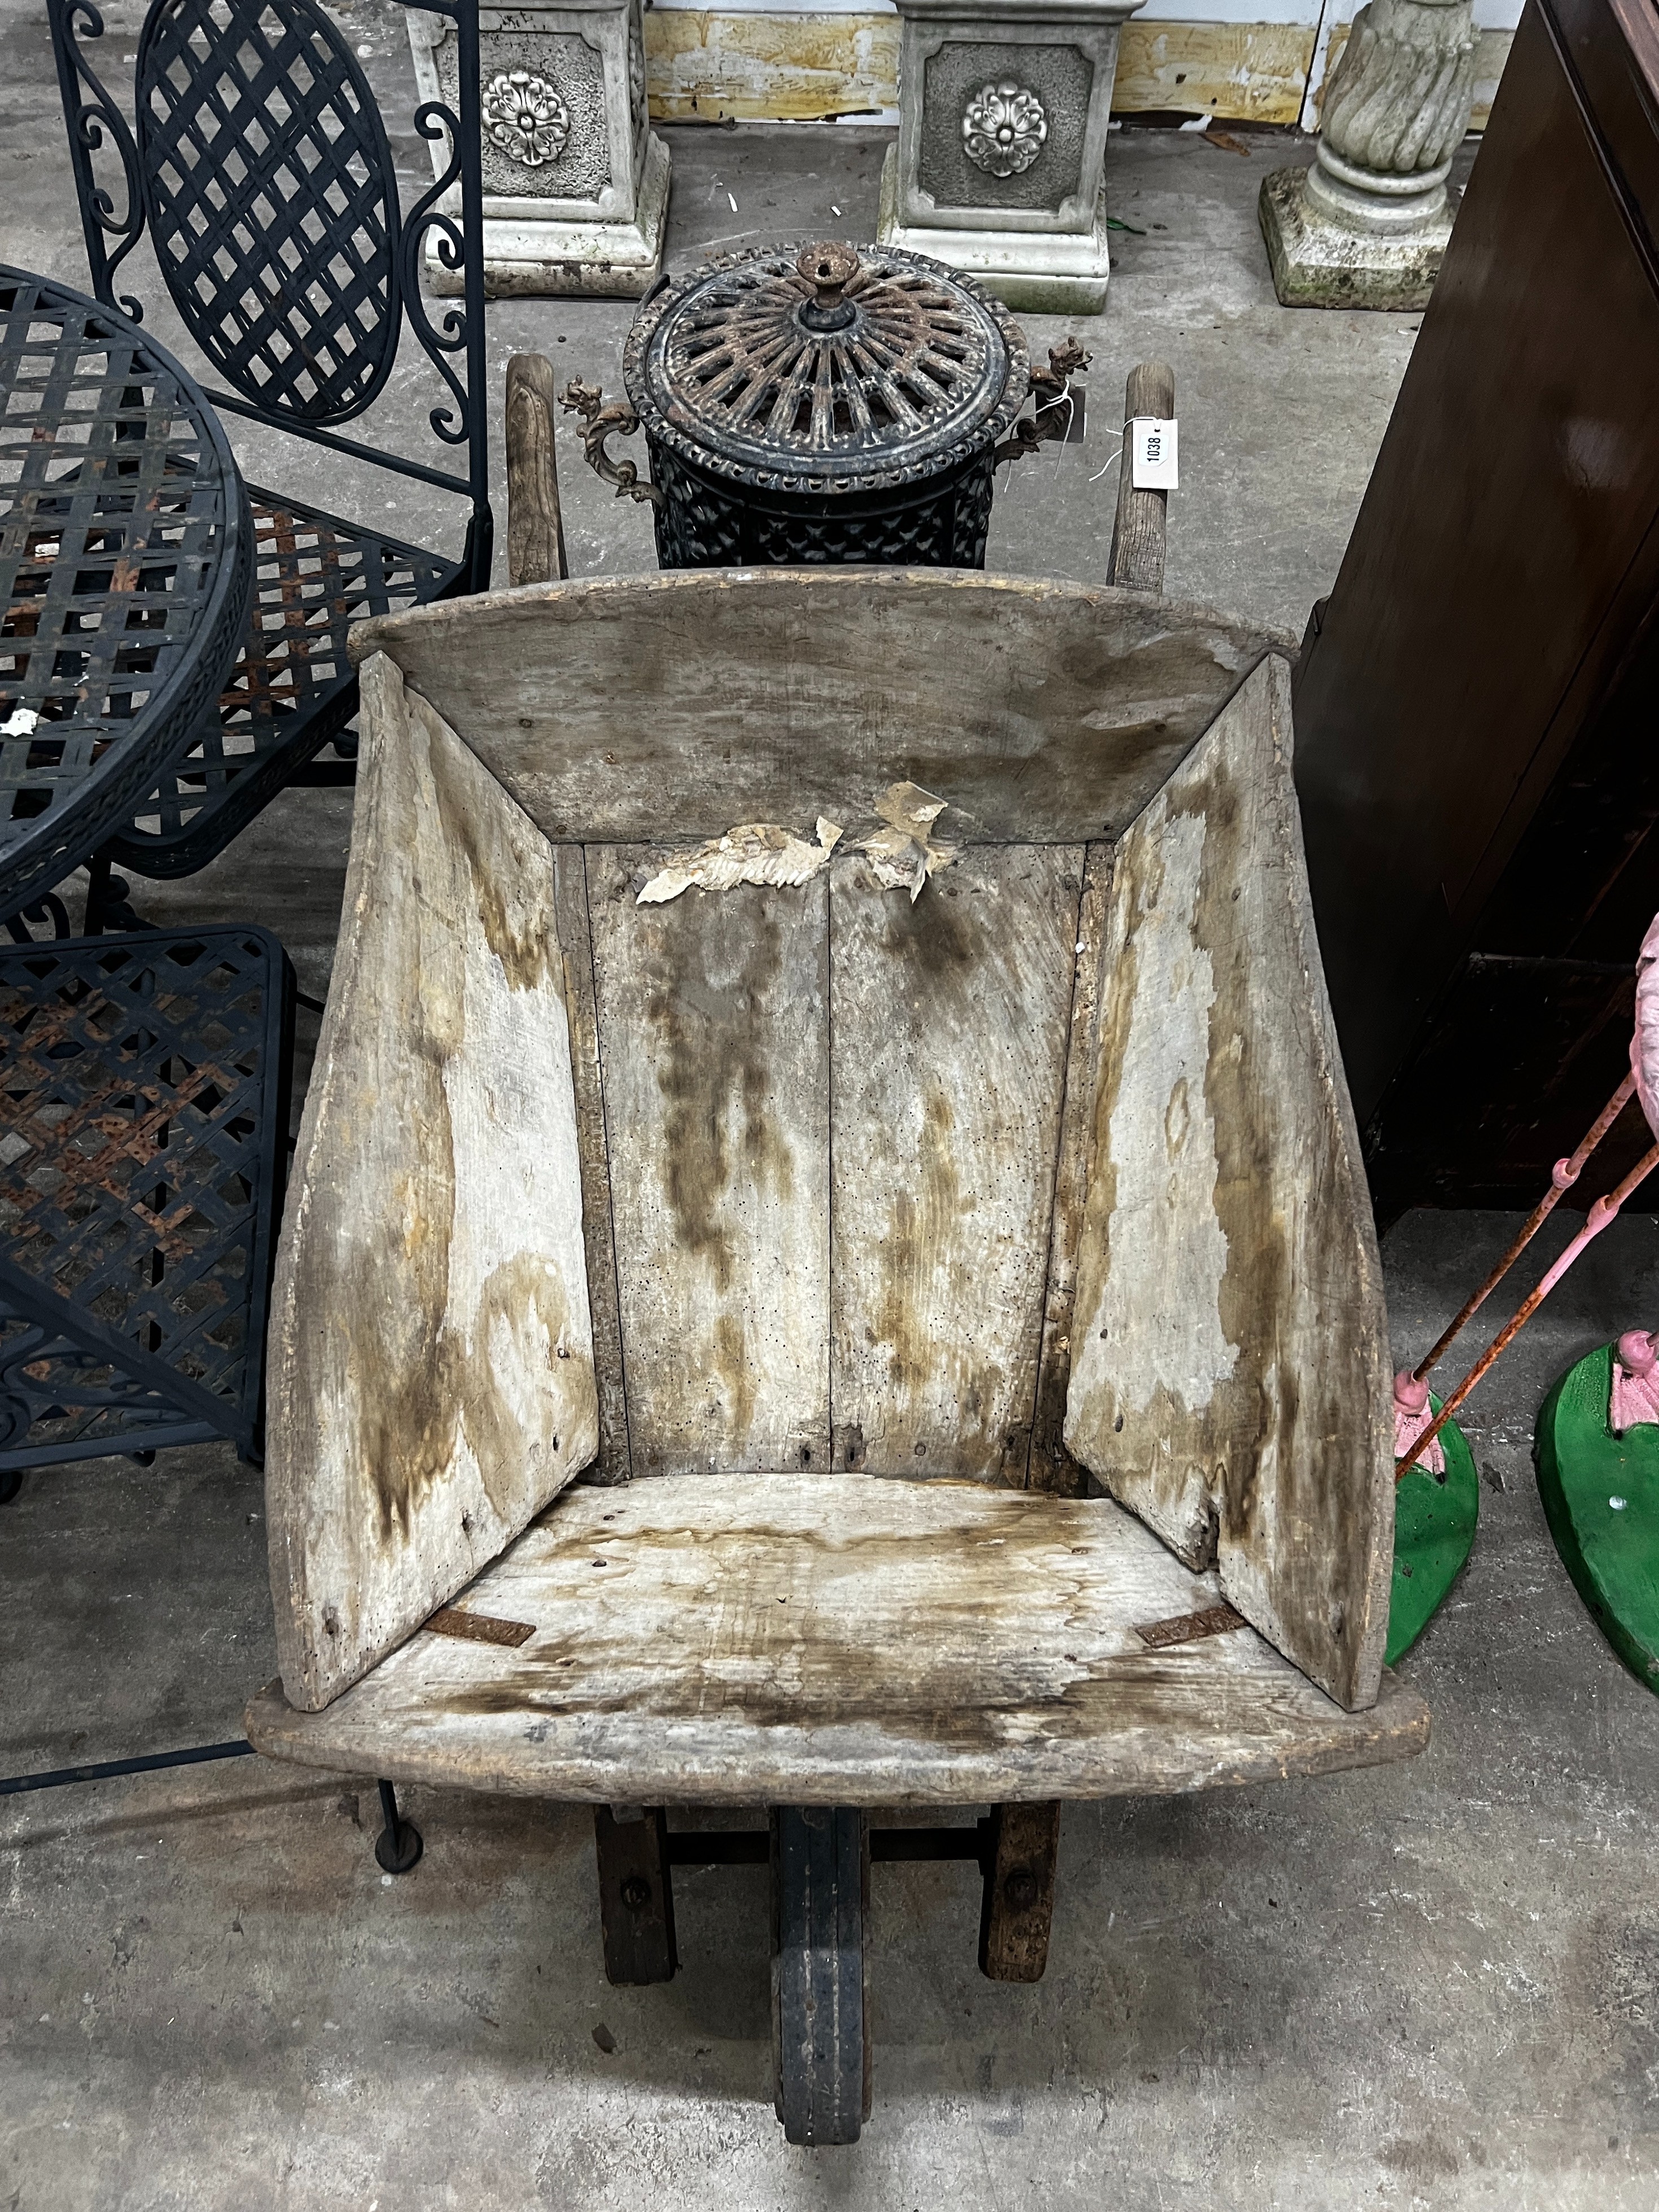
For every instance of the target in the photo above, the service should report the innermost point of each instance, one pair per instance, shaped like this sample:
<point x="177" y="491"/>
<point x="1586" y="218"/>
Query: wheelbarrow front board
<point x="904" y="1243"/>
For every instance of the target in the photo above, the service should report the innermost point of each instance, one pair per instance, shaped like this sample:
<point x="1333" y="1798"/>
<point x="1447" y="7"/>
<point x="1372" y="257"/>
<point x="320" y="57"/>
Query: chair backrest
<point x="260" y="167"/>
<point x="271" y="200"/>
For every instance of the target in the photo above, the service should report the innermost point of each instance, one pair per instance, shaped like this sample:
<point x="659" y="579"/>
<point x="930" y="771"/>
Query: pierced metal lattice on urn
<point x="824" y="403"/>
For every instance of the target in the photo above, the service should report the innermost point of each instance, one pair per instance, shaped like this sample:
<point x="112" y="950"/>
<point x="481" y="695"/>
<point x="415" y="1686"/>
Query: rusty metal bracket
<point x="600" y="419"/>
<point x="1051" y="389"/>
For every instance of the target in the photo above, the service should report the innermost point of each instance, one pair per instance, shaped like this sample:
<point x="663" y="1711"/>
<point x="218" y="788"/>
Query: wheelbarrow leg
<point x="637" y="1897"/>
<point x="820" y="1899"/>
<point x="398" y="1846"/>
<point x="1019" y="1892"/>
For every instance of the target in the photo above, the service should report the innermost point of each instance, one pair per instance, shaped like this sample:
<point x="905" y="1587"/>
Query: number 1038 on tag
<point x="1154" y="454"/>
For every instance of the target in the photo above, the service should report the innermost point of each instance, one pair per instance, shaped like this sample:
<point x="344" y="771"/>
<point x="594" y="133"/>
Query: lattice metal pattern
<point x="292" y="689"/>
<point x="123" y="571"/>
<point x="705" y="525"/>
<point x="143" y="1107"/>
<point x="272" y="200"/>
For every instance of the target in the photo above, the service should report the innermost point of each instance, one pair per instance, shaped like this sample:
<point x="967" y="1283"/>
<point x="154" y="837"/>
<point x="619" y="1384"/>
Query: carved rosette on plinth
<point x="1367" y="226"/>
<point x="999" y="168"/>
<point x="576" y="185"/>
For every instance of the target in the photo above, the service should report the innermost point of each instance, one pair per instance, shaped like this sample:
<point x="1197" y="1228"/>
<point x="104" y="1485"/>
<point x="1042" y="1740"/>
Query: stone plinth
<point x="1367" y="226"/>
<point x="575" y="182"/>
<point x="998" y="170"/>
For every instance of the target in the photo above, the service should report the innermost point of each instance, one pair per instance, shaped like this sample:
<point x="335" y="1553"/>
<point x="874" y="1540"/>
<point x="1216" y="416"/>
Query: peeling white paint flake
<point x="753" y="853"/>
<point x="903" y="855"/>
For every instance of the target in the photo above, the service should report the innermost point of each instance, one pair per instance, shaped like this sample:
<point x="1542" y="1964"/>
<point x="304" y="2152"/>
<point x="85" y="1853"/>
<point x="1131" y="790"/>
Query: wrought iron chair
<point x="260" y="167"/>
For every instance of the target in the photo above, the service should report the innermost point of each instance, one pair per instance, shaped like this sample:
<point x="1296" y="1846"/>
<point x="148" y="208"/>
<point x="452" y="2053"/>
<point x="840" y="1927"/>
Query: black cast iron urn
<point x="823" y="403"/>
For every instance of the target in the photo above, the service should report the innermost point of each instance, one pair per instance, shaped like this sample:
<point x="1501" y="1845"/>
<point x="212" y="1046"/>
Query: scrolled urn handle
<point x="1051" y="389"/>
<point x="599" y="418"/>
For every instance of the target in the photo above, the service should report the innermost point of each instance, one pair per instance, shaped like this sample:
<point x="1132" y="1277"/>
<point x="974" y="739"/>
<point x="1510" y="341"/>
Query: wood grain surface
<point x="1139" y="527"/>
<point x="535" y="526"/>
<point x="830" y="1638"/>
<point x="432" y="1360"/>
<point x="949" y="1020"/>
<point x="1229" y="1376"/>
<point x="714" y="1051"/>
<point x="643" y="708"/>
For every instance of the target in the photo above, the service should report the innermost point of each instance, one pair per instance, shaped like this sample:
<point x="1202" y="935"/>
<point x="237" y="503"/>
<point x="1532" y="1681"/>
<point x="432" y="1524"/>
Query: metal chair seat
<point x="292" y="692"/>
<point x="146" y="1092"/>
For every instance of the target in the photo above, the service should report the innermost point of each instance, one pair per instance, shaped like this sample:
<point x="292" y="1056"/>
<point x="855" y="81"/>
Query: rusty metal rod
<point x="1595" y="1221"/>
<point x="1563" y="1177"/>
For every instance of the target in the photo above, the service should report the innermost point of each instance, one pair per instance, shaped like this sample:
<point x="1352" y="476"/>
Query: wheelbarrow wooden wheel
<point x="820" y="1894"/>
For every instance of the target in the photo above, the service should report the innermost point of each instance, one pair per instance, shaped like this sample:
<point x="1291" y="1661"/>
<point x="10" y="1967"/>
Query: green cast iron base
<point x="1611" y="1550"/>
<point x="1434" y="1521"/>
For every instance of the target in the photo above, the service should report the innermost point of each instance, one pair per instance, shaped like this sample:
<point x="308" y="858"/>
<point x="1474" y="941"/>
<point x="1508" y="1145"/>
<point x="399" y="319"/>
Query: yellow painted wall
<point x="703" y="67"/>
<point x="1252" y="72"/>
<point x="707" y="67"/>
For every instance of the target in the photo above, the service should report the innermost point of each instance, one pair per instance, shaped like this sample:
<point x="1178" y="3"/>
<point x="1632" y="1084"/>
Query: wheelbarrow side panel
<point x="1229" y="1373"/>
<point x="626" y="709"/>
<point x="432" y="1357"/>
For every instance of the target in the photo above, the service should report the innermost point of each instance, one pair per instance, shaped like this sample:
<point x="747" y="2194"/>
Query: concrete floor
<point x="1434" y="1985"/>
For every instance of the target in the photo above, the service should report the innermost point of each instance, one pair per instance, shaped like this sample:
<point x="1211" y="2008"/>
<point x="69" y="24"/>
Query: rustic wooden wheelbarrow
<point x="906" y="1334"/>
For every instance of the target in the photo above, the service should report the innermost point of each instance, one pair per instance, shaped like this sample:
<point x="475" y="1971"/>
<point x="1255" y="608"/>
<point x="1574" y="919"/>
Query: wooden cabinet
<point x="1476" y="726"/>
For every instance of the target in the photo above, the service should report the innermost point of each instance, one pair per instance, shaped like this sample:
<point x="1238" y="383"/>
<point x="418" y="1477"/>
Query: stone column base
<point x="1040" y="272"/>
<point x="1317" y="263"/>
<point x="535" y="257"/>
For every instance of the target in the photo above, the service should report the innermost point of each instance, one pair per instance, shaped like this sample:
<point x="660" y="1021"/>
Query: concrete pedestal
<point x="998" y="170"/>
<point x="1367" y="225"/>
<point x="575" y="182"/>
<point x="1320" y="263"/>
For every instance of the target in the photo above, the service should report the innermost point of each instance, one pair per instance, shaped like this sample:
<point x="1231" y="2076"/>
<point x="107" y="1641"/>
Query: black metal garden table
<point x="125" y="561"/>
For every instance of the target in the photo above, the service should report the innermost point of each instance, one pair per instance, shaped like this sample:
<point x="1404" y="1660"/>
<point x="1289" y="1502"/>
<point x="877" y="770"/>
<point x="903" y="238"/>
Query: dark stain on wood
<point x="713" y="1071"/>
<point x="923" y="1231"/>
<point x="529" y="954"/>
<point x="614" y="1461"/>
<point x="1257" y="1411"/>
<point x="1050" y="1467"/>
<point x="419" y="1395"/>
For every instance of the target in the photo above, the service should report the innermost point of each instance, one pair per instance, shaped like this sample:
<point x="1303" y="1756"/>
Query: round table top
<point x="125" y="561"/>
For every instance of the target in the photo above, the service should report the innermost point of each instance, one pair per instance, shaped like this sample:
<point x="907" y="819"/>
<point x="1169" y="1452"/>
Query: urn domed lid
<point x="825" y="366"/>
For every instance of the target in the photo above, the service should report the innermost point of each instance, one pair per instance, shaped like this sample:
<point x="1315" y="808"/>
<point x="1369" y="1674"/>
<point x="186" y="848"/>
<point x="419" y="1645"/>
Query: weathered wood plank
<point x="714" y="1048"/>
<point x="822" y="1639"/>
<point x="1047" y="712"/>
<point x="636" y="1896"/>
<point x="1229" y="1374"/>
<point x="1052" y="1467"/>
<point x="432" y="1362"/>
<point x="948" y="1021"/>
<point x="1018" y="1910"/>
<point x="613" y="1462"/>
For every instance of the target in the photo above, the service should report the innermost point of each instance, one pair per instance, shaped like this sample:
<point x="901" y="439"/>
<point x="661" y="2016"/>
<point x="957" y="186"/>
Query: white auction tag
<point x="1154" y="454"/>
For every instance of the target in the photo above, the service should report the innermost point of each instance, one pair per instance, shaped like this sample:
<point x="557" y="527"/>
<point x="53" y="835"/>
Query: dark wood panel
<point x="1557" y="1034"/>
<point x="1503" y="560"/>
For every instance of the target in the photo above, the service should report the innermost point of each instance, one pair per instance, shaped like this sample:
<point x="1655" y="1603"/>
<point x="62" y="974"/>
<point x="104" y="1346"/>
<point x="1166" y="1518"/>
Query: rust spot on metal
<point x="479" y="1627"/>
<point x="1190" y="1627"/>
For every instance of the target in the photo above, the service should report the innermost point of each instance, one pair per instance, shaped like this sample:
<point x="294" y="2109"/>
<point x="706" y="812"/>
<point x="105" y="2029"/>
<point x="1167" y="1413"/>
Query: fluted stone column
<point x="1367" y="225"/>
